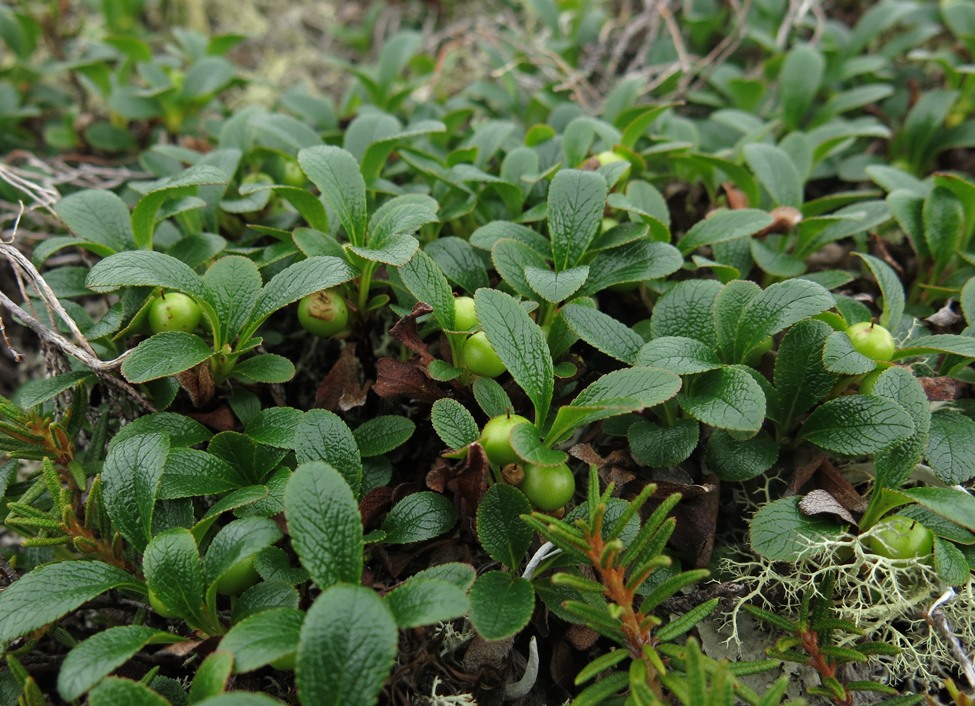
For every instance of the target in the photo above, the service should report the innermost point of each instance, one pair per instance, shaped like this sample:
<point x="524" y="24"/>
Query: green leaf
<point x="297" y="281"/>
<point x="799" y="82"/>
<point x="235" y="284"/>
<point x="774" y="262"/>
<point x="575" y="209"/>
<point x="857" y="424"/>
<point x="275" y="426"/>
<point x="555" y="287"/>
<point x="895" y="464"/>
<point x="729" y="310"/>
<point x="520" y="344"/>
<point x="234" y="543"/>
<point x="956" y="505"/>
<point x="501" y="605"/>
<point x="738" y="460"/>
<point x="603" y="332"/>
<point x="943" y="225"/>
<point x="459" y="262"/>
<point x="500" y="529"/>
<point x="382" y="434"/>
<point x="174" y="573"/>
<point x="726" y="398"/>
<point x="491" y="397"/>
<point x="137" y="268"/>
<point x="777" y="173"/>
<point x="419" y="517"/>
<point x="252" y="461"/>
<point x="265" y="368"/>
<point x="323" y="436"/>
<point x="206" y="77"/>
<point x="64" y="587"/>
<point x="780" y="532"/>
<point x="922" y="124"/>
<point x="262" y="638"/>
<point x="633" y="262"/>
<point x="401" y="216"/>
<point x="658" y="446"/>
<point x="618" y="392"/>
<point x="679" y="355"/>
<point x="336" y="173"/>
<point x="815" y="233"/>
<point x="346" y="649"/>
<point x="182" y="430"/>
<point x="40" y="390"/>
<point x="490" y="234"/>
<point x="801" y="378"/>
<point x="723" y="226"/>
<point x="427" y="283"/>
<point x="115" y="691"/>
<point x="779" y="306"/>
<point x="101" y="654"/>
<point x="686" y="310"/>
<point x="164" y="354"/>
<point x="146" y="211"/>
<point x="98" y="216"/>
<point x="890" y="289"/>
<point x="324" y="523"/>
<point x="376" y="154"/>
<point x="528" y="447"/>
<point x="211" y="676"/>
<point x="425" y="601"/>
<point x="602" y="691"/>
<point x="950" y="449"/>
<point x="131" y="478"/>
<point x="907" y="207"/>
<point x="938" y="343"/>
<point x="968" y="301"/>
<point x="950" y="563"/>
<point x="510" y="258"/>
<point x="454" y="424"/>
<point x="839" y="356"/>
<point x="395" y="250"/>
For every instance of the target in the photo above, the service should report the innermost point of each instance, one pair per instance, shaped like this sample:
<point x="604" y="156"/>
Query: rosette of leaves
<point x="521" y="346"/>
<point x="575" y="260"/>
<point x="234" y="301"/>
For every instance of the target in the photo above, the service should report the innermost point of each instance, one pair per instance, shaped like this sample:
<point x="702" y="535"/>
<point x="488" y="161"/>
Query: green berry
<point x="324" y="313"/>
<point x="480" y="357"/>
<point x="496" y="438"/>
<point x="548" y="487"/>
<point x="174" y="311"/>
<point x="465" y="317"/>
<point x="238" y="577"/>
<point x="900" y="537"/>
<point x="160" y="608"/>
<point x="872" y="340"/>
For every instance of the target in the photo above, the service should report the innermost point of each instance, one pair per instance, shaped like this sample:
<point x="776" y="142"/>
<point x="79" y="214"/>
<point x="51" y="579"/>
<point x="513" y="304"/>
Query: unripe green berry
<point x="872" y="340"/>
<point x="174" y="311"/>
<point x="465" y="316"/>
<point x="496" y="438"/>
<point x="480" y="357"/>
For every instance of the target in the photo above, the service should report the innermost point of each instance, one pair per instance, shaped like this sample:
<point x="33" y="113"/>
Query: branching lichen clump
<point x="887" y="598"/>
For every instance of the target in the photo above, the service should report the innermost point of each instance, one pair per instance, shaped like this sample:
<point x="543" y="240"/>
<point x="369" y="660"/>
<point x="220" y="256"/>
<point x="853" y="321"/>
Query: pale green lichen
<point x="436" y="699"/>
<point x="887" y="598"/>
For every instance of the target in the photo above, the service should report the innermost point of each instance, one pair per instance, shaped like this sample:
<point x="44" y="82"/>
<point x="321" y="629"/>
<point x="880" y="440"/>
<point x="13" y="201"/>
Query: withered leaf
<point x="342" y="388"/>
<point x="820" y="502"/>
<point x="397" y="378"/>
